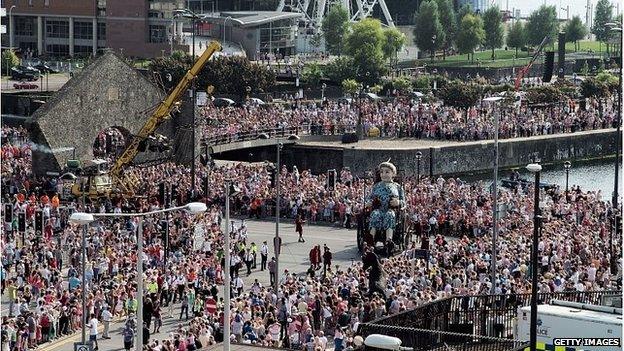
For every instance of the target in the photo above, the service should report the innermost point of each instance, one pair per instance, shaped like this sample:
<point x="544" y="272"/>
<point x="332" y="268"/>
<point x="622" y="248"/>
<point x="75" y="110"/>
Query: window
<point x="101" y="31"/>
<point x="57" y="50"/>
<point x="24" y="26"/>
<point x="57" y="29"/>
<point x="158" y="34"/>
<point x="83" y="50"/>
<point x="83" y="30"/>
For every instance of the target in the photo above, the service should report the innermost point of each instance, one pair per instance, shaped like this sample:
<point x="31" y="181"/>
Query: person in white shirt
<point x="93" y="331"/>
<point x="107" y="317"/>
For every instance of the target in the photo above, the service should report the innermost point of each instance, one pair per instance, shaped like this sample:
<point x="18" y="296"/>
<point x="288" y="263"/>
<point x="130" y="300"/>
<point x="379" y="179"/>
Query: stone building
<point x="107" y="93"/>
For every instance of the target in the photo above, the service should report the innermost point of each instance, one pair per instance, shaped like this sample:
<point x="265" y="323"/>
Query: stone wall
<point x="469" y="157"/>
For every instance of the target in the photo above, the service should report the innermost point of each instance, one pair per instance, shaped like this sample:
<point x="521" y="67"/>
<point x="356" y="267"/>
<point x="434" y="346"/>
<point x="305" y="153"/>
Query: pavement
<point x="294" y="257"/>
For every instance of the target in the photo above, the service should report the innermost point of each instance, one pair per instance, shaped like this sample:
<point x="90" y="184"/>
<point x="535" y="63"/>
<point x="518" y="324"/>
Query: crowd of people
<point x="402" y="119"/>
<point x="183" y="276"/>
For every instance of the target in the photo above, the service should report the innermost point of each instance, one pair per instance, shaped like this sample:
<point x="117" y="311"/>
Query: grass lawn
<point x="586" y="45"/>
<point x="504" y="58"/>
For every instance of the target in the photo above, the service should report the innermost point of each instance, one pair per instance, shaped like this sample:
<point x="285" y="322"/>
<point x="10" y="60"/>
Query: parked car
<point x="25" y="85"/>
<point x="44" y="68"/>
<point x="24" y="73"/>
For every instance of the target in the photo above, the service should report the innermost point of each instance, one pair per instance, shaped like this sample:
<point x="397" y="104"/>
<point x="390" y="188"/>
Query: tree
<point x="394" y="40"/>
<point x="335" y="27"/>
<point x="471" y="34"/>
<point x="365" y="44"/>
<point x="464" y="10"/>
<point x="493" y="26"/>
<point x="340" y="69"/>
<point x="312" y="74"/>
<point x="422" y="83"/>
<point x="516" y="37"/>
<point x="604" y="15"/>
<point x="459" y="94"/>
<point x="575" y="30"/>
<point x="9" y="60"/>
<point x="428" y="31"/>
<point x="315" y="40"/>
<point x="546" y="94"/>
<point x="542" y="22"/>
<point x="350" y="86"/>
<point x="403" y="85"/>
<point x="447" y="16"/>
<point x="229" y="75"/>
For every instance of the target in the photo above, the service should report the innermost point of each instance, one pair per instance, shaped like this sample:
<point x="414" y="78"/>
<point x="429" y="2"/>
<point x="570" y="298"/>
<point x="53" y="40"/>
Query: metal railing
<point x="485" y="316"/>
<point x="422" y="339"/>
<point x="276" y="132"/>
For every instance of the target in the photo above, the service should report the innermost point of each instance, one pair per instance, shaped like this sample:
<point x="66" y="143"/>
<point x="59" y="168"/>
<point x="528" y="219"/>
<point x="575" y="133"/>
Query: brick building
<point x="62" y="28"/>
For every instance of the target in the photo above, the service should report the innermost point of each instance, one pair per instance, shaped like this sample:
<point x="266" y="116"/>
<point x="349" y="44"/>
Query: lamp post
<point x="323" y="87"/>
<point x="617" y="27"/>
<point x="11" y="34"/>
<point x="226" y="279"/>
<point x="567" y="165"/>
<point x="194" y="18"/>
<point x="418" y="158"/>
<point x="228" y="18"/>
<point x="277" y="239"/>
<point x="83" y="220"/>
<point x="495" y="100"/>
<point x="534" y="168"/>
<point x="86" y="218"/>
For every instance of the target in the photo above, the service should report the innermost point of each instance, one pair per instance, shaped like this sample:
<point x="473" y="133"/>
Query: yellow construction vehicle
<point x="100" y="184"/>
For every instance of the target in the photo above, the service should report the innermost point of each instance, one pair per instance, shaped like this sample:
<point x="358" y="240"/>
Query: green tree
<point x="340" y="69"/>
<point x="403" y="85"/>
<point x="603" y="15"/>
<point x="365" y="44"/>
<point x="575" y="30"/>
<point x="394" y="40"/>
<point x="312" y="74"/>
<point x="350" y="87"/>
<point x="229" y="75"/>
<point x="471" y="34"/>
<point x="448" y="17"/>
<point x="428" y="31"/>
<point x="422" y="83"/>
<point x="516" y="37"/>
<point x="493" y="26"/>
<point x="335" y="27"/>
<point x="9" y="60"/>
<point x="459" y="94"/>
<point x="542" y="22"/>
<point x="465" y="9"/>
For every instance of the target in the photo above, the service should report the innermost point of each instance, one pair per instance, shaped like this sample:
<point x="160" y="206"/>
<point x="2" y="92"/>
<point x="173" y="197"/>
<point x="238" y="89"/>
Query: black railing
<point x="477" y="316"/>
<point x="422" y="339"/>
<point x="271" y="133"/>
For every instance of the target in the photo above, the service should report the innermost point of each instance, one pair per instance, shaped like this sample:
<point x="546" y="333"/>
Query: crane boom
<point x="162" y="113"/>
<point x="526" y="68"/>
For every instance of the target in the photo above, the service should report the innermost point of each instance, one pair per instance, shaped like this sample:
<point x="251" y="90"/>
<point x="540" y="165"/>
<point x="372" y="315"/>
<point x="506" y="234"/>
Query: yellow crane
<point x="162" y="112"/>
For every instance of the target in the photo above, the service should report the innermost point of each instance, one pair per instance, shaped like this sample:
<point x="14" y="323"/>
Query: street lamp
<point x="230" y="190"/>
<point x="418" y="158"/>
<point x="277" y="241"/>
<point x="194" y="18"/>
<point x="534" y="168"/>
<point x="11" y="35"/>
<point x="617" y="27"/>
<point x="224" y="22"/>
<point x="495" y="100"/>
<point x="385" y="342"/>
<point x="567" y="165"/>
<point x="85" y="219"/>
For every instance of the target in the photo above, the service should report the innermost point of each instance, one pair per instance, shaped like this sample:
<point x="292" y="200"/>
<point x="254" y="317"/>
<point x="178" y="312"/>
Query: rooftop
<point x="251" y="18"/>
